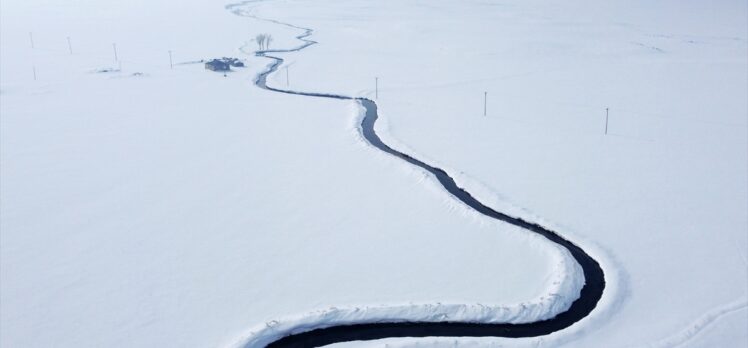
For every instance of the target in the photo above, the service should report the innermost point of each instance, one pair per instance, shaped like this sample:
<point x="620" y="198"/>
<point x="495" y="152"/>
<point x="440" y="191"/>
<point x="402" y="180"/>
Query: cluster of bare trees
<point x="263" y="41"/>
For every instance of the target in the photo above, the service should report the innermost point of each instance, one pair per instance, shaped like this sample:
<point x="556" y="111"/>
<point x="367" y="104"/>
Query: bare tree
<point x="260" y="38"/>
<point x="268" y="40"/>
<point x="263" y="41"/>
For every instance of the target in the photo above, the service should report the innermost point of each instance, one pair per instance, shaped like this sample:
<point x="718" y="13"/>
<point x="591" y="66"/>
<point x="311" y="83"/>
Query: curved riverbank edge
<point x="550" y="314"/>
<point x="616" y="279"/>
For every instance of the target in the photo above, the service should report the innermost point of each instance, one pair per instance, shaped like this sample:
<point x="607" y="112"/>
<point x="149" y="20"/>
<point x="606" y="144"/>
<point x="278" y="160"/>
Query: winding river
<point x="593" y="274"/>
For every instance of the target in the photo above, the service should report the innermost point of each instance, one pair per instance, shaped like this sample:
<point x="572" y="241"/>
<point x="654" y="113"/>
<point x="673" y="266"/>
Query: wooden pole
<point x="33" y="68"/>
<point x="114" y="45"/>
<point x="70" y="46"/>
<point x="606" y="121"/>
<point x="171" y="64"/>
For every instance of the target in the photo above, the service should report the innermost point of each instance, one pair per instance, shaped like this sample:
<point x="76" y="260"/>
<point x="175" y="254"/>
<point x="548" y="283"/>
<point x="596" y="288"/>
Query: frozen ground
<point x="181" y="208"/>
<point x="663" y="195"/>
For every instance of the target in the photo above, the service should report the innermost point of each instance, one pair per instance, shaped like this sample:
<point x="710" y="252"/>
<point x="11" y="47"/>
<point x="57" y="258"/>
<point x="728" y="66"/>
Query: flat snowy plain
<point x="178" y="207"/>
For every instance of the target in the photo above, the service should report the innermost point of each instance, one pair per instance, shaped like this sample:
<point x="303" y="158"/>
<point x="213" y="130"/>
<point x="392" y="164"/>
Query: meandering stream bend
<point x="593" y="274"/>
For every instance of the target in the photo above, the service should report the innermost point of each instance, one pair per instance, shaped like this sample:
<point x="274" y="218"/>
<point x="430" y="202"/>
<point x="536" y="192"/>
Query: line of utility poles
<point x="288" y="78"/>
<point x="485" y="111"/>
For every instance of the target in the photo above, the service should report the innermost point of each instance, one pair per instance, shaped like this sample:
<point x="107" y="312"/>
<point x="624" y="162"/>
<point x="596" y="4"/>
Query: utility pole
<point x="70" y="46"/>
<point x="376" y="88"/>
<point x="485" y="103"/>
<point x="31" y="38"/>
<point x="114" y="45"/>
<point x="287" y="78"/>
<point x="171" y="65"/>
<point x="606" y="121"/>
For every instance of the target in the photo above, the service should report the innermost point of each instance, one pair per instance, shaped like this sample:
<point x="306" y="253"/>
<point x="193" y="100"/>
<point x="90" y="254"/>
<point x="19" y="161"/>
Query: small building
<point x="235" y="62"/>
<point x="217" y="65"/>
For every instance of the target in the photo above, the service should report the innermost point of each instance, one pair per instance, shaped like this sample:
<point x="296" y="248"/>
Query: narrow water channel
<point x="593" y="274"/>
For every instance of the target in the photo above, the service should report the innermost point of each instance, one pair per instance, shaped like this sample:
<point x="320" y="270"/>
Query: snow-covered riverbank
<point x="662" y="197"/>
<point x="176" y="207"/>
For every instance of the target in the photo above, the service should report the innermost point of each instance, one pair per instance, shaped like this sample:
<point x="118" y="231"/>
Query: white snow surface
<point x="660" y="201"/>
<point x="144" y="206"/>
<point x="178" y="207"/>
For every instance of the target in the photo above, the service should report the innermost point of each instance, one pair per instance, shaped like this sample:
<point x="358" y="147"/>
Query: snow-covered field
<point x="176" y="207"/>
